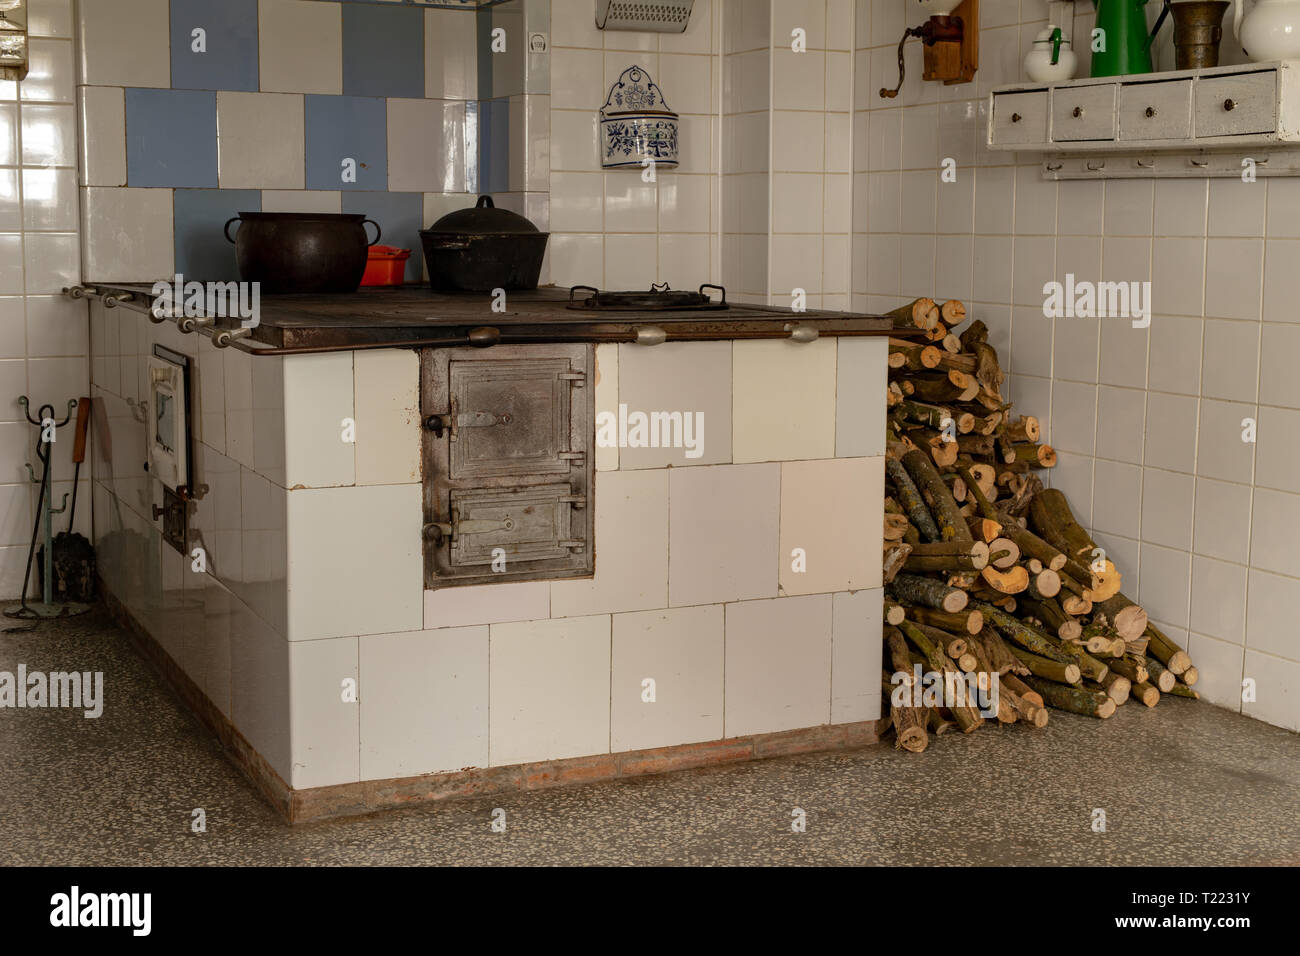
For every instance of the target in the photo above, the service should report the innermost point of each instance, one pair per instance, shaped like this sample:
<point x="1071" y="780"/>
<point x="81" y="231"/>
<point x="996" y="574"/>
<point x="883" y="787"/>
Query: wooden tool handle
<point x="83" y="425"/>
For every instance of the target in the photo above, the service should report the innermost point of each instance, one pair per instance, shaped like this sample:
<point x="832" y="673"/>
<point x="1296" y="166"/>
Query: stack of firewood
<point x="986" y="571"/>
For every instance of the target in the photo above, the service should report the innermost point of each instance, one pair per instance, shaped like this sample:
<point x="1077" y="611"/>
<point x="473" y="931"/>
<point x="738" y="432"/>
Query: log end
<point x="1190" y="676"/>
<point x="1072" y="673"/>
<point x="955" y="600"/>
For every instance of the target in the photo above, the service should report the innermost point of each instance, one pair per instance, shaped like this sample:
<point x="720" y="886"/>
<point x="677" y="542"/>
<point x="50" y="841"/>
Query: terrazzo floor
<point x="1185" y="783"/>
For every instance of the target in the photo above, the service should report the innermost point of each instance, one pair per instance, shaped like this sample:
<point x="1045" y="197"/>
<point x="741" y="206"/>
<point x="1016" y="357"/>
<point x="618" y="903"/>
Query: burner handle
<point x="592" y="289"/>
<point x="710" y="285"/>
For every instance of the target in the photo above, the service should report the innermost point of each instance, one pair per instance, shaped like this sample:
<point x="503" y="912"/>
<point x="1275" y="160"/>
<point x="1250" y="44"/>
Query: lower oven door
<point x="508" y="468"/>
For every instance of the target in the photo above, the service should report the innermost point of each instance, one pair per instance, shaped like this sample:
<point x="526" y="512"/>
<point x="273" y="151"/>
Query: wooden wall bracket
<point x="950" y="47"/>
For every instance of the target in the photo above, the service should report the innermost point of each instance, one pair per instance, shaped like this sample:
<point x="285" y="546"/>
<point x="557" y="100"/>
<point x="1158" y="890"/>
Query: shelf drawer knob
<point x="1229" y="104"/>
<point x="1077" y="112"/>
<point x="1015" y="117"/>
<point x="1150" y="112"/>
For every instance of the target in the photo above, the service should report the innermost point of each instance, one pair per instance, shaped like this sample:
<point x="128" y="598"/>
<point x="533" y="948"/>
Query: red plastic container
<point x="386" y="266"/>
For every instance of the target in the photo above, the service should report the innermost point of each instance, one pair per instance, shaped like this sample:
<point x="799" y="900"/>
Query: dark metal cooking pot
<point x="291" y="252"/>
<point x="483" y="248"/>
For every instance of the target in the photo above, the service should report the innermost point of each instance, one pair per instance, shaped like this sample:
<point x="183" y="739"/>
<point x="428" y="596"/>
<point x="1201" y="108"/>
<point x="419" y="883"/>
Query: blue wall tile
<point x="383" y="51"/>
<point x="494" y="146"/>
<point x="400" y="216"/>
<point x="347" y="127"/>
<point x="230" y="62"/>
<point x="171" y="138"/>
<point x="202" y="251"/>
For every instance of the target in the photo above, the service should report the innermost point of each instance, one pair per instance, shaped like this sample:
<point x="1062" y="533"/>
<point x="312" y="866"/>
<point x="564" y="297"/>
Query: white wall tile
<point x="783" y="400"/>
<point x="388" y="416"/>
<point x="724" y="533"/>
<point x="533" y="665"/>
<point x="486" y="604"/>
<point x="325" y="729"/>
<point x="1277" y="690"/>
<point x="693" y="379"/>
<point x="125" y="44"/>
<point x="103" y="136"/>
<point x="424" y="702"/>
<point x="127" y="234"/>
<point x="376" y="582"/>
<point x="778" y="670"/>
<point x="317" y="400"/>
<point x="300" y="46"/>
<point x="426" y="146"/>
<point x="631" y="548"/>
<point x="827" y="543"/>
<point x="260" y="141"/>
<point x="855" y="650"/>
<point x="681" y="650"/>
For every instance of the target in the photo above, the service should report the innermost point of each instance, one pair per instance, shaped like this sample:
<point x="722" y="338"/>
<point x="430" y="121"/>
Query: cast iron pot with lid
<point x="483" y="248"/>
<point x="293" y="252"/>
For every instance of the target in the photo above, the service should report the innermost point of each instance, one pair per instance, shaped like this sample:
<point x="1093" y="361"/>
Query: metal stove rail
<point x="300" y="325"/>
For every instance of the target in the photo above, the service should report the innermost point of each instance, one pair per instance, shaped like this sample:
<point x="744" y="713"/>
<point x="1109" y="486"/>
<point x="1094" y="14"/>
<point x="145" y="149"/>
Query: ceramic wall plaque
<point x="636" y="124"/>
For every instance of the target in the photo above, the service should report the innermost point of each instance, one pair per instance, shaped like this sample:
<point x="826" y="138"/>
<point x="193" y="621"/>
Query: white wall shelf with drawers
<point x="1207" y="116"/>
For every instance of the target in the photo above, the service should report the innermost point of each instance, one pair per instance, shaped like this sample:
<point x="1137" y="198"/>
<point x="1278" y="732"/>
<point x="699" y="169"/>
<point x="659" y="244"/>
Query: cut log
<point x="953" y="313"/>
<point x="909" y="722"/>
<point x="909" y="498"/>
<point x="1042" y="456"/>
<point x="1044" y="585"/>
<point x="999" y="654"/>
<point x="1055" y="523"/>
<point x="1182" y="690"/>
<point x="1055" y="621"/>
<point x="967" y="717"/>
<point x="1032" y="713"/>
<point x="1022" y="689"/>
<point x="1077" y="700"/>
<point x="1162" y="677"/>
<point x="1031" y="544"/>
<point x="920" y="314"/>
<point x="1011" y="581"/>
<point x="1118" y="687"/>
<point x="895" y="556"/>
<point x="983" y="529"/>
<point x="1190" y="676"/>
<point x="917" y="356"/>
<point x="912" y="589"/>
<point x="1050" y="669"/>
<point x="1029" y="638"/>
<point x="952" y="527"/>
<point x="1088" y="665"/>
<point x="948" y="556"/>
<point x="893" y="612"/>
<point x="1128" y="618"/>
<point x="896" y="648"/>
<point x="1134" y="670"/>
<point x="962" y="622"/>
<point x="1146" y="692"/>
<point x="1024" y="429"/>
<point x="1003" y="553"/>
<point x="940" y="724"/>
<point x="951" y="645"/>
<point x="1166" y="651"/>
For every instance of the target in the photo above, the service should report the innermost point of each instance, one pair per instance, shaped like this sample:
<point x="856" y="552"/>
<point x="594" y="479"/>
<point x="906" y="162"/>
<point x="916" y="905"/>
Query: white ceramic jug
<point x="1051" y="59"/>
<point x="1270" y="31"/>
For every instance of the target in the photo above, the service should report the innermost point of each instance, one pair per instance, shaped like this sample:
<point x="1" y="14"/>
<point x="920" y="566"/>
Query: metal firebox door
<point x="508" y="463"/>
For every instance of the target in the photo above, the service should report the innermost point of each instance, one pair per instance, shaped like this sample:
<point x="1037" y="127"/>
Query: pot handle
<point x="226" y="230"/>
<point x="485" y="202"/>
<point x="378" y="232"/>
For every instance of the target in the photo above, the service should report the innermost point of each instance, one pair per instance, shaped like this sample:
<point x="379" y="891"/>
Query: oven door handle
<point x="443" y="532"/>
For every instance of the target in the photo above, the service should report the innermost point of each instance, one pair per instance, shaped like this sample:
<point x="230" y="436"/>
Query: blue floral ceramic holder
<point x="636" y="124"/>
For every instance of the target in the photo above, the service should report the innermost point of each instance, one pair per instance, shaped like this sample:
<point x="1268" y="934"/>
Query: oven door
<point x="508" y="467"/>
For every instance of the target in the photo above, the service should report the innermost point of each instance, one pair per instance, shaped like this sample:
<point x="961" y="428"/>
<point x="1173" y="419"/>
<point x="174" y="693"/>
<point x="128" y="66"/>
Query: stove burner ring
<point x="655" y="300"/>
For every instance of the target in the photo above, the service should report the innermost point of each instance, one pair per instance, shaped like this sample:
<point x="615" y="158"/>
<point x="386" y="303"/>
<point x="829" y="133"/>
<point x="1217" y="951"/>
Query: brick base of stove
<point x="370" y="796"/>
